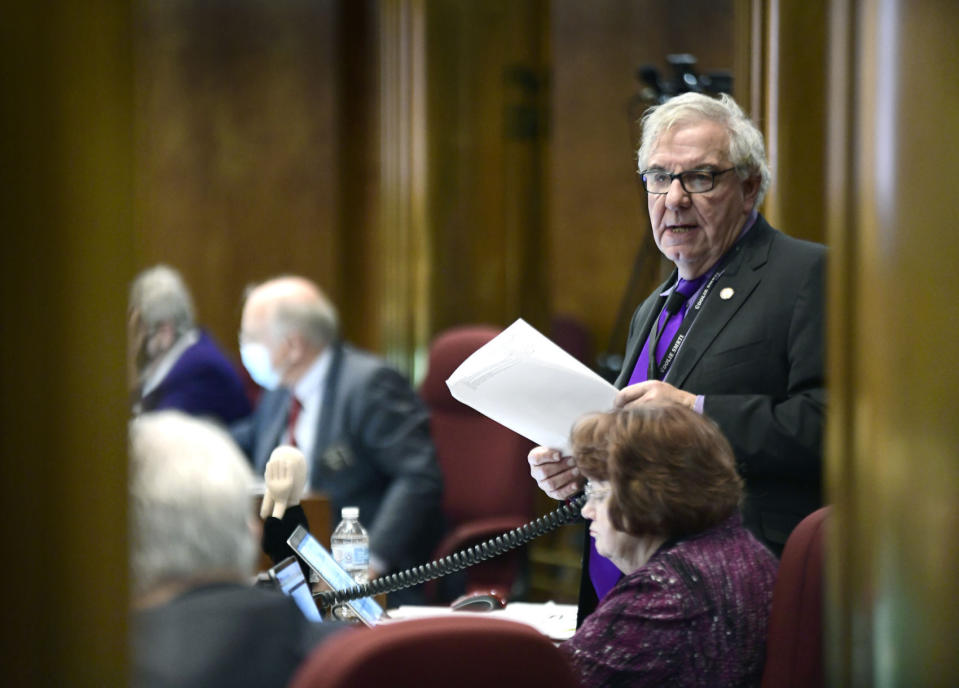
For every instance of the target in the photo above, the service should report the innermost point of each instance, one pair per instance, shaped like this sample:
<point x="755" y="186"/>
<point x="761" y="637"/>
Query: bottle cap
<point x="350" y="512"/>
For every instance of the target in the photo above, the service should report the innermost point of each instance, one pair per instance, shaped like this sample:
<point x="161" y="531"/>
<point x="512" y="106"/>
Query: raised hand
<point x="284" y="477"/>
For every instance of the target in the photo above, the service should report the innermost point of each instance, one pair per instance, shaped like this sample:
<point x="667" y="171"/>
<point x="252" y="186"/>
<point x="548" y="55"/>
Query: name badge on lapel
<point x="337" y="457"/>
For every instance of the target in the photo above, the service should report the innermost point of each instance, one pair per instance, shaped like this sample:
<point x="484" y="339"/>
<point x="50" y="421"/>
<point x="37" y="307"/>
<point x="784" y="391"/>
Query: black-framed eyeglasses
<point x="693" y="181"/>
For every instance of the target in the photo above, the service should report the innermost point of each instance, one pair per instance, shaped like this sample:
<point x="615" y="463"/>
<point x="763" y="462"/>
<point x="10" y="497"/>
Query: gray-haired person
<point x="736" y="332"/>
<point x="363" y="429"/>
<point x="197" y="619"/>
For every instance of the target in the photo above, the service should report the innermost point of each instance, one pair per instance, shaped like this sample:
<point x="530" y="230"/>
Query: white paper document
<point x="524" y="381"/>
<point x="556" y="621"/>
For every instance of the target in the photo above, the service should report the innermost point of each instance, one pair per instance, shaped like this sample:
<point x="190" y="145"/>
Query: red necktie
<point x="295" y="408"/>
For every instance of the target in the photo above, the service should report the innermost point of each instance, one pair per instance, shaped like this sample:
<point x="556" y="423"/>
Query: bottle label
<point x="351" y="555"/>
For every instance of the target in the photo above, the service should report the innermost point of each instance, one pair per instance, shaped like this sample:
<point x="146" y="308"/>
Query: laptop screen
<point x="289" y="579"/>
<point x="334" y="575"/>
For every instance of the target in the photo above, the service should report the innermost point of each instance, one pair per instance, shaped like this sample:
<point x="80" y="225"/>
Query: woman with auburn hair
<point x="664" y="498"/>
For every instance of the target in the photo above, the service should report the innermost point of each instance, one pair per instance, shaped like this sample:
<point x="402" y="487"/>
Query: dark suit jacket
<point x="373" y="450"/>
<point x="222" y="635"/>
<point x="202" y="382"/>
<point x="757" y="357"/>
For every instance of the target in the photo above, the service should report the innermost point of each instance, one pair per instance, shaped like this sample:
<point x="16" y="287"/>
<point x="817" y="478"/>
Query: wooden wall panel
<point x="596" y="206"/>
<point x="236" y="166"/>
<point x="486" y="116"/>
<point x="357" y="252"/>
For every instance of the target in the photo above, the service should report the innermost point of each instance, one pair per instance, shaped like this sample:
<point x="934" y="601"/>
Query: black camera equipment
<point x="684" y="80"/>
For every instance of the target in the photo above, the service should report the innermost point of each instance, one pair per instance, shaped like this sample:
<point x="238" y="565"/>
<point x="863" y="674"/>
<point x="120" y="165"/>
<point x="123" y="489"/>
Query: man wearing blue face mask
<point x="364" y="431"/>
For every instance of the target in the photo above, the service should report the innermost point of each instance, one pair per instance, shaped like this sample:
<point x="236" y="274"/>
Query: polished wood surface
<point x="794" y="121"/>
<point x="598" y="218"/>
<point x="237" y="140"/>
<point x="487" y="99"/>
<point x="894" y="323"/>
<point x="67" y="256"/>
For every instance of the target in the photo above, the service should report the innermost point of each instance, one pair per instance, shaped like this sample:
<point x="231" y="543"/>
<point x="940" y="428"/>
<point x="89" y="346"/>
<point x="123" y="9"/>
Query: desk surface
<point x="556" y="621"/>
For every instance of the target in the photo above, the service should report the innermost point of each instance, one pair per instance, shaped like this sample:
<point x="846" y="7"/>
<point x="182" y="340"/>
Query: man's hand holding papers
<point x="555" y="473"/>
<point x="526" y="382"/>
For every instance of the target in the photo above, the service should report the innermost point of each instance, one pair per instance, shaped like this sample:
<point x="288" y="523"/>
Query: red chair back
<point x="461" y="651"/>
<point x="487" y="488"/>
<point x="794" y="638"/>
<point x="572" y="335"/>
<point x="484" y="463"/>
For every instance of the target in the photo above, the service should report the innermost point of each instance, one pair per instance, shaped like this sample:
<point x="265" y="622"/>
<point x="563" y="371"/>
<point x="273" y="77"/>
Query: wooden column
<point x="66" y="212"/>
<point x="893" y="472"/>
<point x="793" y="117"/>
<point x="402" y="231"/>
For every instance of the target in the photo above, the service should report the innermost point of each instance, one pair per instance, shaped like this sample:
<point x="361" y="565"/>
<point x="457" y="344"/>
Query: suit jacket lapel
<point x="329" y="406"/>
<point x="742" y="275"/>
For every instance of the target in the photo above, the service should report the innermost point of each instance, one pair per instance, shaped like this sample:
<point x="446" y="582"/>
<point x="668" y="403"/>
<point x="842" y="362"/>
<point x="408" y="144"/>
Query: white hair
<point x="190" y="502"/>
<point x="316" y="320"/>
<point x="298" y="305"/>
<point x="161" y="296"/>
<point x="746" y="148"/>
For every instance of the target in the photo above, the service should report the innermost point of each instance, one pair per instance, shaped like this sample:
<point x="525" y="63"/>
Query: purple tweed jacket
<point x="694" y="615"/>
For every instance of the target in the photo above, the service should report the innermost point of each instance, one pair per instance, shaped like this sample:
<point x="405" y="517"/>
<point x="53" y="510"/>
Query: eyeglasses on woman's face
<point x="596" y="493"/>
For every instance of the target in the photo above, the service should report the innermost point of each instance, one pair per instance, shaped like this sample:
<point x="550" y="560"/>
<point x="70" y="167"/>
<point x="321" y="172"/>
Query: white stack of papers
<point x="524" y="381"/>
<point x="556" y="621"/>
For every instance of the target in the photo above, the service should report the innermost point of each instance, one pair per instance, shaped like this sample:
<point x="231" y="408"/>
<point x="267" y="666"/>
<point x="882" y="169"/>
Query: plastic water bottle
<point x="351" y="545"/>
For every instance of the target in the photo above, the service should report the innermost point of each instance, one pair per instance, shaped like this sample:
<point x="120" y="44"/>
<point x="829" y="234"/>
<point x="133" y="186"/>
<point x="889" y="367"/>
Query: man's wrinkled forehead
<point x="711" y="146"/>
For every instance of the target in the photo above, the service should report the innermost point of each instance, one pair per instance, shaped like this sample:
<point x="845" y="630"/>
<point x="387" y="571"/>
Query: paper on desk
<point x="524" y="381"/>
<point x="556" y="621"/>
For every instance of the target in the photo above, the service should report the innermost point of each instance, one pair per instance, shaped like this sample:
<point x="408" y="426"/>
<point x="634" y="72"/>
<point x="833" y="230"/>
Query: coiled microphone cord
<point x="567" y="513"/>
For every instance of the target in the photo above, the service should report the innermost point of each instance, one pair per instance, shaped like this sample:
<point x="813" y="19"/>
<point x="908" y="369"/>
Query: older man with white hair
<point x="736" y="332"/>
<point x="198" y="621"/>
<point x="363" y="429"/>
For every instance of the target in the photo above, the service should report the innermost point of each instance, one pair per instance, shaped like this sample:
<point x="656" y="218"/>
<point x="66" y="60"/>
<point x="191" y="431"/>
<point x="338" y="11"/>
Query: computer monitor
<point x="320" y="560"/>
<point x="288" y="577"/>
